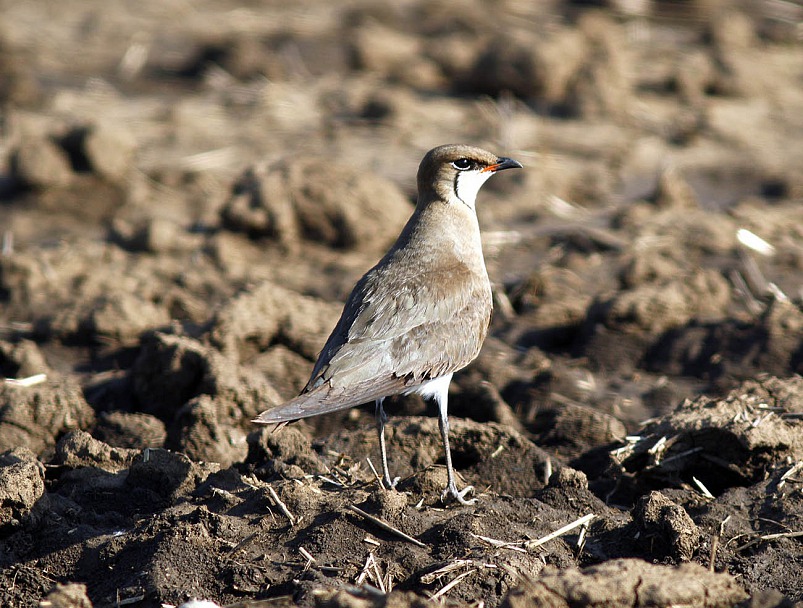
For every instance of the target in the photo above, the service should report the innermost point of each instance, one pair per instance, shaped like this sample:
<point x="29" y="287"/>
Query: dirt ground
<point x="188" y="192"/>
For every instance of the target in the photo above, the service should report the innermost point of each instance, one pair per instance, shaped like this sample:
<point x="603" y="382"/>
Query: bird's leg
<point x="381" y="419"/>
<point x="451" y="488"/>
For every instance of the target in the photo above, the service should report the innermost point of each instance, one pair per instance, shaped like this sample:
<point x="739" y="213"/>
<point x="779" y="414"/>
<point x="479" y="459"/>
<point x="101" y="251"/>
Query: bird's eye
<point x="462" y="164"/>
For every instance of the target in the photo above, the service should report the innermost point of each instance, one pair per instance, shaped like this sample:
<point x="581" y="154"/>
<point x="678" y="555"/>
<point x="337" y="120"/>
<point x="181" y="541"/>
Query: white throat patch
<point x="468" y="184"/>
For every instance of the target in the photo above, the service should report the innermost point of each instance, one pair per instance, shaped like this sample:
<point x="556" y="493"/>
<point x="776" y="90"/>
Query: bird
<point x="419" y="315"/>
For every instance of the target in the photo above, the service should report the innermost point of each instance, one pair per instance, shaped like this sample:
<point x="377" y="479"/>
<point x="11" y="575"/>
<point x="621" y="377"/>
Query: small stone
<point x="110" y="151"/>
<point x="40" y="163"/>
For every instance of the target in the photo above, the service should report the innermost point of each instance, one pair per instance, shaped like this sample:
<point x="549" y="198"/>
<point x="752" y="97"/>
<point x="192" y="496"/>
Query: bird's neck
<point x="451" y="226"/>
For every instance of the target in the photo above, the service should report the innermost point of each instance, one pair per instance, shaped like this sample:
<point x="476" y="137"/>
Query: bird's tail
<point x="325" y="400"/>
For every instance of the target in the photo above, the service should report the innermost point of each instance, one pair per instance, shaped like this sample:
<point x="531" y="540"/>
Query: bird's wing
<point x="435" y="320"/>
<point x="410" y="299"/>
<point x="420" y="327"/>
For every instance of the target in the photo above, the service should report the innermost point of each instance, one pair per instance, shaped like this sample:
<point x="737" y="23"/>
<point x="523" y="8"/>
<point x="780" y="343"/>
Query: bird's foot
<point x="458" y="495"/>
<point x="390" y="485"/>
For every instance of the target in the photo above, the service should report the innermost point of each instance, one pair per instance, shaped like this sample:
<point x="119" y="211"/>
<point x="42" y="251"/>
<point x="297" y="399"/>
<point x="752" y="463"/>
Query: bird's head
<point x="454" y="173"/>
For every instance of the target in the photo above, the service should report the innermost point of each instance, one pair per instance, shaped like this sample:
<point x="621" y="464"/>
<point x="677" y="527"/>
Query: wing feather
<point x="325" y="399"/>
<point x="400" y="327"/>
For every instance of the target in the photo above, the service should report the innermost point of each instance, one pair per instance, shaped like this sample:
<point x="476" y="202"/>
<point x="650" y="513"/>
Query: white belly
<point x="437" y="388"/>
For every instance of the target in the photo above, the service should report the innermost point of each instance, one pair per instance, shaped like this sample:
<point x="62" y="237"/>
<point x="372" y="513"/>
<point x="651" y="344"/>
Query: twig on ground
<point x="431" y="577"/>
<point x="371" y="570"/>
<point x="330" y="480"/>
<point x="789" y="475"/>
<point x="775" y="536"/>
<point x="701" y="486"/>
<point x="585" y="519"/>
<point x="378" y="577"/>
<point x="282" y="507"/>
<point x="308" y="556"/>
<point x="26" y="382"/>
<point x="715" y="542"/>
<point x="365" y="570"/>
<point x="452" y="584"/>
<point x="581" y="538"/>
<point x="373" y="470"/>
<point x="501" y="544"/>
<point x="386" y="526"/>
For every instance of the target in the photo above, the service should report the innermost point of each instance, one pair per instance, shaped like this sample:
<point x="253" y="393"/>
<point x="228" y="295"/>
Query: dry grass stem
<point x="501" y="544"/>
<point x="282" y="507"/>
<point x="582" y="537"/>
<point x="777" y="292"/>
<point x="386" y="526"/>
<point x="308" y="556"/>
<point x="585" y="519"/>
<point x="213" y="159"/>
<point x="756" y="281"/>
<point x="499" y="449"/>
<point x="330" y="480"/>
<point x="752" y="241"/>
<point x="765" y="537"/>
<point x="134" y="599"/>
<point x="370" y="570"/>
<point x="789" y="475"/>
<point x="365" y="570"/>
<point x="701" y="486"/>
<point x="657" y="449"/>
<point x="751" y="303"/>
<point x="431" y="577"/>
<point x="376" y="475"/>
<point x="451" y="584"/>
<point x="26" y="382"/>
<point x="627" y="449"/>
<point x="378" y="577"/>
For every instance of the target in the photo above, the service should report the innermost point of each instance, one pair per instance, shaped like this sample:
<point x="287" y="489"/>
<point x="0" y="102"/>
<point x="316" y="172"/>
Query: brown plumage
<point x="421" y="313"/>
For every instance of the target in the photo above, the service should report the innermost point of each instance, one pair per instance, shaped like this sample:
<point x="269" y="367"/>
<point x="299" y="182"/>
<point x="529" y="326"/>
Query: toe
<point x="459" y="495"/>
<point x="391" y="485"/>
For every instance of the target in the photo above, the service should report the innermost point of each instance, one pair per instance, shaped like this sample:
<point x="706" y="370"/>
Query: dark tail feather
<point x="304" y="406"/>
